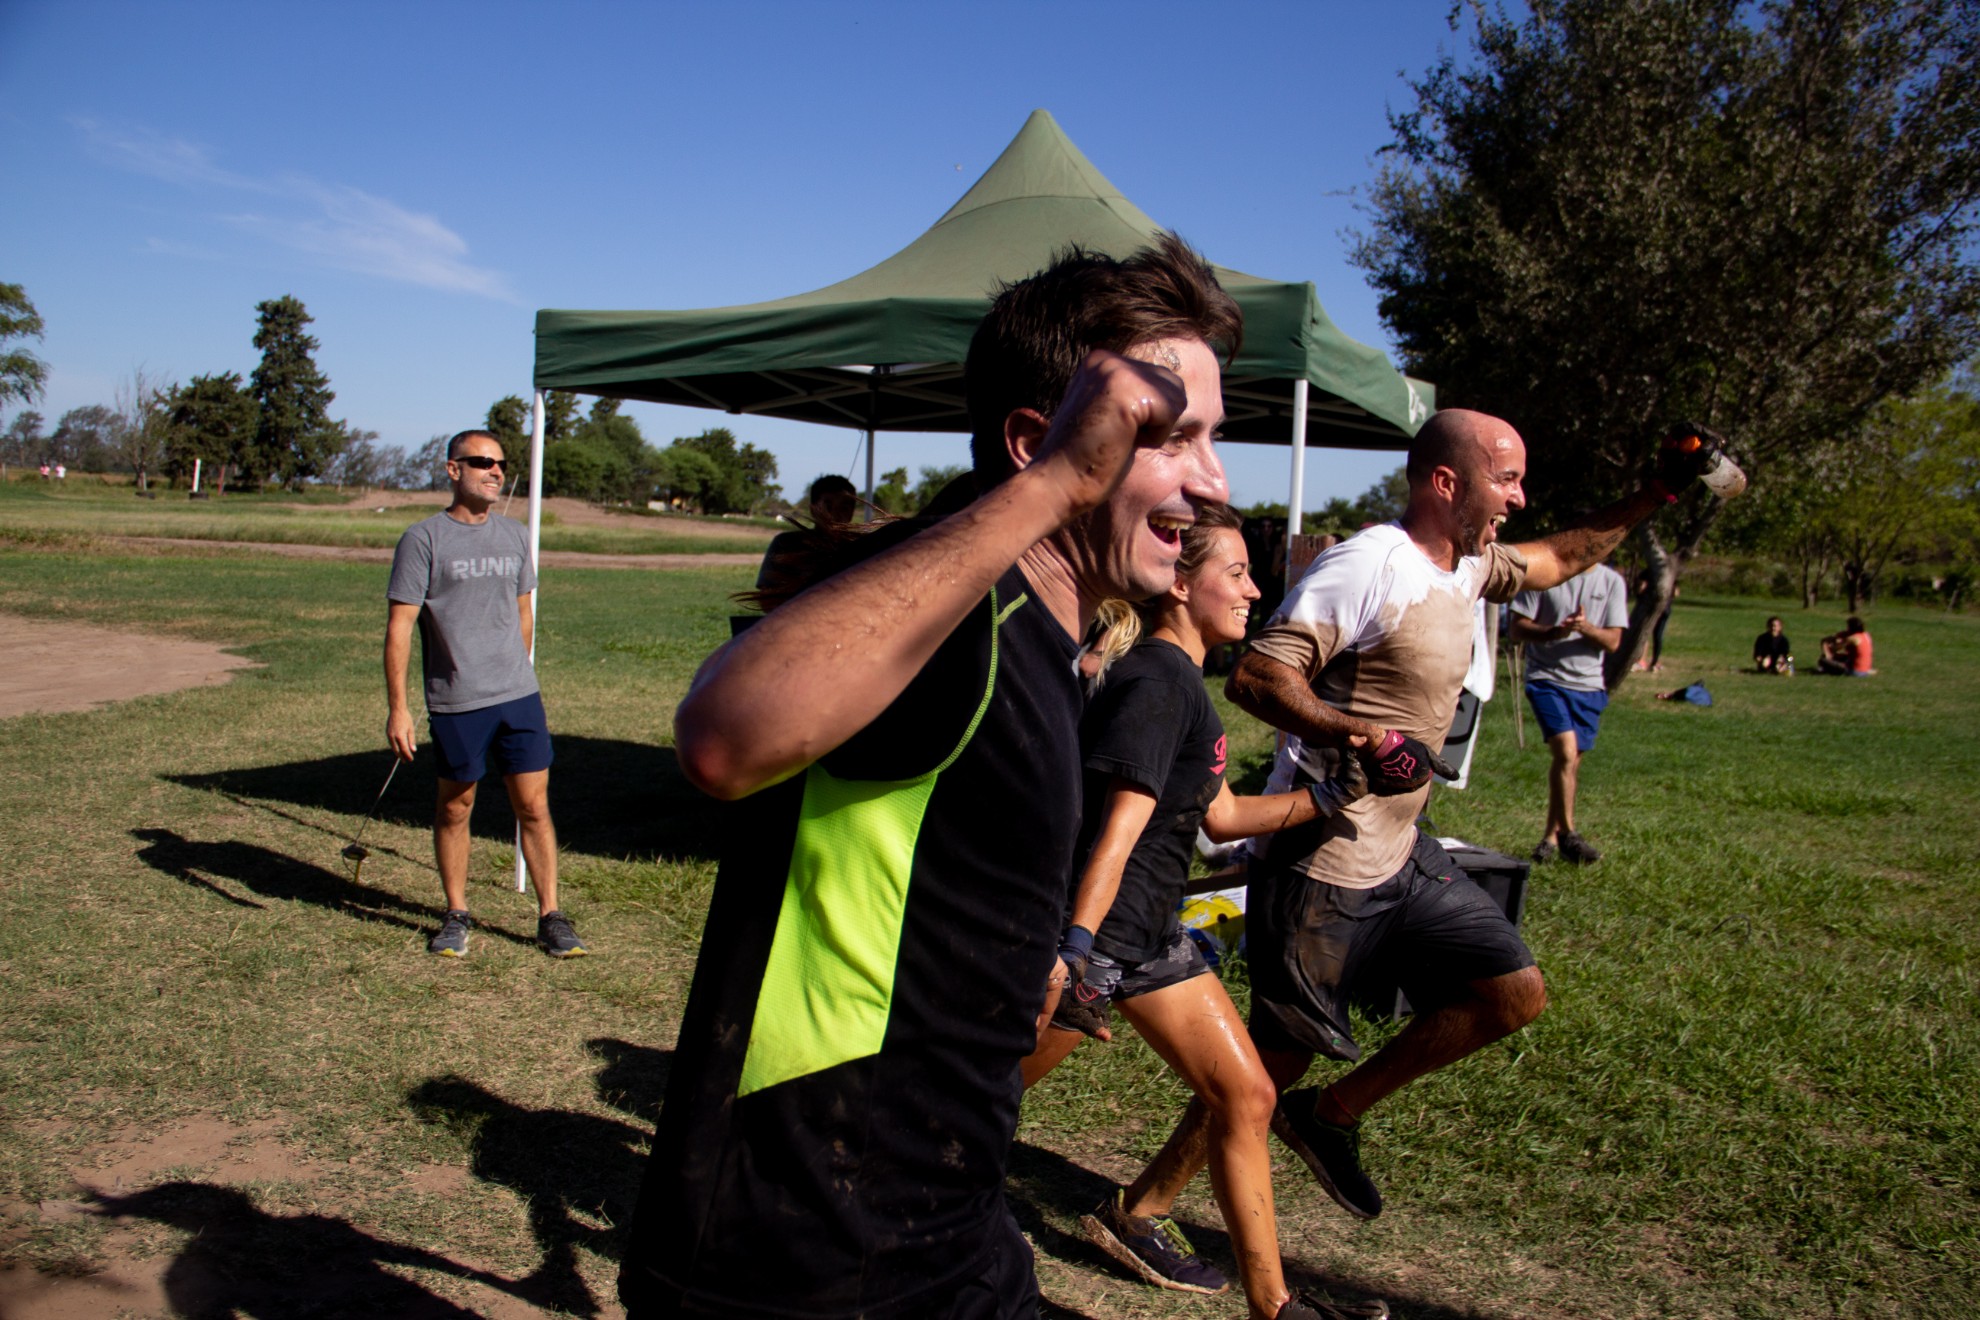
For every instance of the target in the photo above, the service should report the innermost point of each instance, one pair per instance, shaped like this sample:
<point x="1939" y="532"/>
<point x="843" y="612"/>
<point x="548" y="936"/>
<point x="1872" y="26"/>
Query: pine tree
<point x="294" y="439"/>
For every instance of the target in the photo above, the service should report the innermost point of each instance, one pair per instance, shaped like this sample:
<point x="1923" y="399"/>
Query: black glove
<point x="1688" y="451"/>
<point x="1075" y="951"/>
<point x="1402" y="765"/>
<point x="1347" y="784"/>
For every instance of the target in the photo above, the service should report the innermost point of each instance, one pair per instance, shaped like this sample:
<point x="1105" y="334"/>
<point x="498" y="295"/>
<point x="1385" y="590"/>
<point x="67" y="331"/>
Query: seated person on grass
<point x="1848" y="652"/>
<point x="1771" y="652"/>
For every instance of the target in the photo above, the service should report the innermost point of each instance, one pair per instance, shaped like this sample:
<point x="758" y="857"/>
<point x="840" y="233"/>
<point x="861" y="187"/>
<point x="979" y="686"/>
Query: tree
<point x="294" y="436"/>
<point x="744" y="473"/>
<point x="1626" y="211"/>
<point x="509" y="421"/>
<point x="23" y="442"/>
<point x="560" y="415"/>
<point x="85" y="439"/>
<point x="1382" y="502"/>
<point x="144" y="424"/>
<point x="933" y="479"/>
<point x="424" y="468"/>
<point x="892" y="492"/>
<point x="685" y="474"/>
<point x="360" y="462"/>
<point x="215" y="421"/>
<point x="23" y="376"/>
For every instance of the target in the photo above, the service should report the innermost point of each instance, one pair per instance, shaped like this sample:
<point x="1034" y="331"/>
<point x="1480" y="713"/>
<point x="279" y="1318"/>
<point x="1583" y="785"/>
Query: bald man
<point x="1365" y="658"/>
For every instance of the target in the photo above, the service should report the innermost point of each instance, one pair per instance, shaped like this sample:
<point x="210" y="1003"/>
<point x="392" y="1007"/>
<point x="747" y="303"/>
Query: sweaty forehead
<point x="1500" y="447"/>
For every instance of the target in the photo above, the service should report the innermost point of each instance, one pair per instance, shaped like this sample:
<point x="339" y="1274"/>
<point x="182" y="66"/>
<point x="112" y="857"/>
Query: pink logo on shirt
<point x="1218" y="768"/>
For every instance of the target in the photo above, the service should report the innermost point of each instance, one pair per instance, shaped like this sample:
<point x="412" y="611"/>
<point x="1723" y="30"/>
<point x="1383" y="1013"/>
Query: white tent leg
<point x="536" y="600"/>
<point x="869" y="467"/>
<point x="1296" y="499"/>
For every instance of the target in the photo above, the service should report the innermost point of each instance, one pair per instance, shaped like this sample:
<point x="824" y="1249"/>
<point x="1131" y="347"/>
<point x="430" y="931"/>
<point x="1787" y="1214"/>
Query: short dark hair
<point x="830" y="484"/>
<point x="1853" y="623"/>
<point x="460" y="438"/>
<point x="1037" y="331"/>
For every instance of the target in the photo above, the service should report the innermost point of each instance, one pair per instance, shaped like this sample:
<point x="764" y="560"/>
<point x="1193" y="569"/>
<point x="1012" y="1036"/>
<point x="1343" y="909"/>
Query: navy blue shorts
<point x="515" y="731"/>
<point x="1560" y="709"/>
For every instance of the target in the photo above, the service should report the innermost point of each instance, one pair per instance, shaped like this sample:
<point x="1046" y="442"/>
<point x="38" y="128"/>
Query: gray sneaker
<point x="451" y="942"/>
<point x="558" y="937"/>
<point x="1578" y="850"/>
<point x="1153" y="1248"/>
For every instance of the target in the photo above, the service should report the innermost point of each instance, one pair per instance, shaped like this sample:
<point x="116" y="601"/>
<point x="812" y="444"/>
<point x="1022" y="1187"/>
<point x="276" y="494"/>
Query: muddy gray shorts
<point x="1428" y="928"/>
<point x="1090" y="1002"/>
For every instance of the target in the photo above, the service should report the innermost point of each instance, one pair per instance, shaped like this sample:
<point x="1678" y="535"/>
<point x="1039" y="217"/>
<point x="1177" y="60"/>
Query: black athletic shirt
<point x="1771" y="647"/>
<point x="1151" y="724"/>
<point x="801" y="1167"/>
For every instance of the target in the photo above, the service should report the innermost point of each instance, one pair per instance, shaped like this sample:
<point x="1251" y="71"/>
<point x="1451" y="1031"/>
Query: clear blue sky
<point x="425" y="176"/>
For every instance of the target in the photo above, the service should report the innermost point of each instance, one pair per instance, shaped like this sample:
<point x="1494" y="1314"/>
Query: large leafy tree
<point x="22" y="374"/>
<point x="1616" y="212"/>
<point x="746" y="475"/>
<point x="216" y="421"/>
<point x="294" y="437"/>
<point x="85" y="438"/>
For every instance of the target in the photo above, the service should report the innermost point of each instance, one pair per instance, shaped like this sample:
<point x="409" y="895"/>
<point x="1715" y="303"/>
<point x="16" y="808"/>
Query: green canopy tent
<point x="883" y="351"/>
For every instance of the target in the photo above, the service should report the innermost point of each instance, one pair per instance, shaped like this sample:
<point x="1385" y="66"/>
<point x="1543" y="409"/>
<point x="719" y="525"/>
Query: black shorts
<point x="1429" y="928"/>
<point x="1179" y="960"/>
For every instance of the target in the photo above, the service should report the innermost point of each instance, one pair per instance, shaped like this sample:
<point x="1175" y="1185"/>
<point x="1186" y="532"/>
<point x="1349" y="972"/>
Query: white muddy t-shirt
<point x="1385" y="635"/>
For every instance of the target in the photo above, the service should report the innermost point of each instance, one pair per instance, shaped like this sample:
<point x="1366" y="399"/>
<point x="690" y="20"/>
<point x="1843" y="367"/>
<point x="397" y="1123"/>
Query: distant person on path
<point x="1366" y="658"/>
<point x="463" y="576"/>
<point x="1772" y="653"/>
<point x="832" y="500"/>
<point x="1848" y="652"/>
<point x="1568" y="629"/>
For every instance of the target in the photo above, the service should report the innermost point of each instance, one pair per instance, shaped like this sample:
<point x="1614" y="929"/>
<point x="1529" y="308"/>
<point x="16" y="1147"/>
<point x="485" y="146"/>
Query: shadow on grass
<point x="609" y="797"/>
<point x="576" y="1174"/>
<point x="277" y="876"/>
<point x="243" y="1261"/>
<point x="1042" y="1180"/>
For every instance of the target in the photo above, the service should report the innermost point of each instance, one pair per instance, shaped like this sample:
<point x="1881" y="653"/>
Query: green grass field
<point x="1756" y="1091"/>
<point x="36" y="513"/>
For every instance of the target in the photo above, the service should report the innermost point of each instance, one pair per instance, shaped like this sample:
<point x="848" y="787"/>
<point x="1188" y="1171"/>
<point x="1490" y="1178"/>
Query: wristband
<point x="1077" y="940"/>
<point x="1390" y="741"/>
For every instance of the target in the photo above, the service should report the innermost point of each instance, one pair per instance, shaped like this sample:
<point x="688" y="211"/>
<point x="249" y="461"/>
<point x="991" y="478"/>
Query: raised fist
<point x="1689" y="452"/>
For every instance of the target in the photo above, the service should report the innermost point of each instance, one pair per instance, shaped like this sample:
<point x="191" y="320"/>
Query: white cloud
<point x="333" y="224"/>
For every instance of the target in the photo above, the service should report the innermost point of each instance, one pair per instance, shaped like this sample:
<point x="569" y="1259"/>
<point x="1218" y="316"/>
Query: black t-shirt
<point x="1153" y="725"/>
<point x="1769" y="647"/>
<point x="842" y="1101"/>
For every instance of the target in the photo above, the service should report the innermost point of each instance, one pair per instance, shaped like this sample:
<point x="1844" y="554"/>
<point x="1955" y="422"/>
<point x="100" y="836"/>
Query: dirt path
<point x="569" y="512"/>
<point x="383" y="555"/>
<point x="48" y="666"/>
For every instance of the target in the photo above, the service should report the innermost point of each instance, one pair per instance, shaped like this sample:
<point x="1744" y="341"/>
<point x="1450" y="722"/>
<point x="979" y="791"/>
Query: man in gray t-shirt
<point x="1567" y="630"/>
<point x="465" y="578"/>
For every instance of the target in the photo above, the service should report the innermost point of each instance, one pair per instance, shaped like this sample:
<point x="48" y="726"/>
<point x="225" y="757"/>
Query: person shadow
<point x="243" y="1261"/>
<point x="610" y="797"/>
<point x="224" y="868"/>
<point x="576" y="1174"/>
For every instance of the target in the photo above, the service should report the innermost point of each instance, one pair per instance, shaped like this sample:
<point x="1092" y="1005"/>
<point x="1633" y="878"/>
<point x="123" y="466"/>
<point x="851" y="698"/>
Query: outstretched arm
<point x="1554" y="559"/>
<point x="823" y="666"/>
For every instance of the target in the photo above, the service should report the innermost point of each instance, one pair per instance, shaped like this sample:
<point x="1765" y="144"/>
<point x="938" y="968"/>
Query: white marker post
<point x="1295" y="516"/>
<point x="536" y="600"/>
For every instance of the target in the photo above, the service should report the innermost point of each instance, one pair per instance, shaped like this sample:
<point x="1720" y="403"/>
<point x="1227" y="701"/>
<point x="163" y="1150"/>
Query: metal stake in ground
<point x="355" y="851"/>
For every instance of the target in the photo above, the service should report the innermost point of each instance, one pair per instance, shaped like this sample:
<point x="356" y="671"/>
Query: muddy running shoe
<point x="451" y="942"/>
<point x="558" y="937"/>
<point x="1332" y="1153"/>
<point x="1576" y="849"/>
<point x="1154" y="1248"/>
<point x="1545" y="852"/>
<point x="1305" y="1306"/>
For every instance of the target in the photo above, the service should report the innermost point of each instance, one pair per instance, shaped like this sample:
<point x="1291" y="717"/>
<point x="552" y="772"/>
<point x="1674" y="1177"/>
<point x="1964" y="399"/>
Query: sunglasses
<point x="481" y="462"/>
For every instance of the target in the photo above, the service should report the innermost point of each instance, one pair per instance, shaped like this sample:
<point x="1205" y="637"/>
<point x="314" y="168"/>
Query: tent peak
<point x="1041" y="161"/>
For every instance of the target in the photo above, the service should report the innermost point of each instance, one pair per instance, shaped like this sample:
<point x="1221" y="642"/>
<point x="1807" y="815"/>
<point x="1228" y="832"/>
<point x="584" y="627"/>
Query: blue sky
<point x="425" y="176"/>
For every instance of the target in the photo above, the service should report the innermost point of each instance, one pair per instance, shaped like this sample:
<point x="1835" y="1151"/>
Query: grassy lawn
<point x="1755" y="1093"/>
<point x="36" y="512"/>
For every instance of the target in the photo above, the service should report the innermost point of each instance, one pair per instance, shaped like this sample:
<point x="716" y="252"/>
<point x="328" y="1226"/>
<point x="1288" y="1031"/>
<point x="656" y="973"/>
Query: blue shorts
<point x="516" y="731"/>
<point x="1559" y="709"/>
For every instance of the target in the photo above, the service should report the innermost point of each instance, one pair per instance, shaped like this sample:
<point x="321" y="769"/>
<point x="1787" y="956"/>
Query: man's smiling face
<point x="1129" y="545"/>
<point x="1488" y="488"/>
<point x="479" y="486"/>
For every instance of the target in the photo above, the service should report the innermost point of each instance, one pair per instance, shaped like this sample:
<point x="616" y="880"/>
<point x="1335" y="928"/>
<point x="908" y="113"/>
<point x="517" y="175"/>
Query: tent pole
<point x="1296" y="498"/>
<point x="869" y="468"/>
<point x="536" y="598"/>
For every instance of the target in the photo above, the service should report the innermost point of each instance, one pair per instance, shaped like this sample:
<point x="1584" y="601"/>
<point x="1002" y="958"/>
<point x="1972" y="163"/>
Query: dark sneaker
<point x="1545" y="852"/>
<point x="1154" y="1248"/>
<point x="1305" y="1306"/>
<point x="1332" y="1153"/>
<point x="558" y="937"/>
<point x="451" y="942"/>
<point x="1576" y="849"/>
